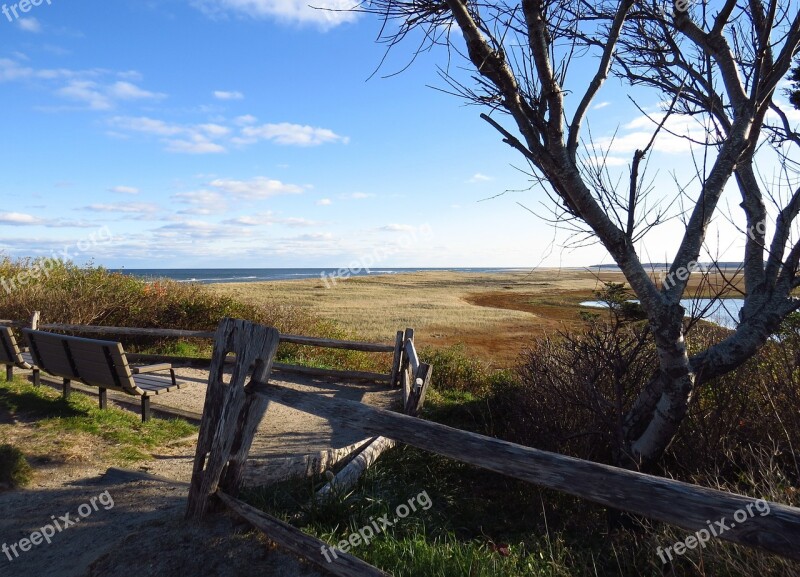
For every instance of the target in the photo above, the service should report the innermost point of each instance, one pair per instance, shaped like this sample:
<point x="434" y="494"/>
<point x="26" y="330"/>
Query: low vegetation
<point x="65" y="426"/>
<point x="565" y="394"/>
<point x="14" y="468"/>
<point x="69" y="294"/>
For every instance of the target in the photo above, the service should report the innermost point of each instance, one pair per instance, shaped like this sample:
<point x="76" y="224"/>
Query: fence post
<point x="231" y="412"/>
<point x="397" y="361"/>
<point x="406" y="379"/>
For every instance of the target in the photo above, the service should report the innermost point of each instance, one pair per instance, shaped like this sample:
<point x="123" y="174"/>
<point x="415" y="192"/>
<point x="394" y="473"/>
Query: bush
<point x="14" y="469"/>
<point x="575" y="388"/>
<point x="93" y="295"/>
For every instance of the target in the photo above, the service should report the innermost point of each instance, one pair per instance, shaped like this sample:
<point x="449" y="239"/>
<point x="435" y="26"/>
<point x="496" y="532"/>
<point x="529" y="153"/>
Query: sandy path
<point x="285" y="437"/>
<point x="143" y="532"/>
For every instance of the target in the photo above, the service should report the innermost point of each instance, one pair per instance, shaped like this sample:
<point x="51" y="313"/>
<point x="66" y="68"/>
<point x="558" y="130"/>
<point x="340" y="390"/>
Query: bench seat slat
<point x="156" y="385"/>
<point x="27" y="358"/>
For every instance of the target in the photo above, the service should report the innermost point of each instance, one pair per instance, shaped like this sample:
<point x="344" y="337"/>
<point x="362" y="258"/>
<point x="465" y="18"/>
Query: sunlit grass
<point x="80" y="416"/>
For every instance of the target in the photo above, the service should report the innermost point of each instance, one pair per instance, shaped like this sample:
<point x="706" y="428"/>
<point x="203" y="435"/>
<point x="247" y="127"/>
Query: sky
<point x="265" y="133"/>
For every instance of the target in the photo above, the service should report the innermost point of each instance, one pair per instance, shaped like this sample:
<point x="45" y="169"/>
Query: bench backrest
<point x="94" y="362"/>
<point x="9" y="351"/>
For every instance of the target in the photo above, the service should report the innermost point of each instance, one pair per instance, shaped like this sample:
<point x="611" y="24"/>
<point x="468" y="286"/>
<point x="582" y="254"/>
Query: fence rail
<point x="673" y="502"/>
<point x="201" y="361"/>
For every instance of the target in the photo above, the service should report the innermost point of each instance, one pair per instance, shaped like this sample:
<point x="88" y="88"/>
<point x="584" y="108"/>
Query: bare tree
<point x="718" y="64"/>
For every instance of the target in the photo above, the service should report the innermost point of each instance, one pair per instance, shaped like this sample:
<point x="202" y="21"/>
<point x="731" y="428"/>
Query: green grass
<point x="479" y="523"/>
<point x="80" y="414"/>
<point x="14" y="469"/>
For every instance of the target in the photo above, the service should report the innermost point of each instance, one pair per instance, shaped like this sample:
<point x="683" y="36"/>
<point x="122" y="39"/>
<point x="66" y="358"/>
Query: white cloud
<point x="98" y="96"/>
<point x="268" y="218"/>
<point x="245" y="119"/>
<point x="19" y="219"/>
<point x="314" y="236"/>
<point x="201" y="202"/>
<point x="128" y="91"/>
<point x="214" y="137"/>
<point x="124" y="207"/>
<point x="637" y="133"/>
<point x="255" y="188"/>
<point x="30" y="24"/>
<point x="88" y="92"/>
<point x="479" y="177"/>
<point x="356" y="196"/>
<point x="214" y="130"/>
<point x="601" y="105"/>
<point x="124" y="189"/>
<point x="325" y="14"/>
<point x="398" y="228"/>
<point x="195" y="145"/>
<point x="324" y="202"/>
<point x="290" y="134"/>
<point x="609" y="161"/>
<point x="146" y="125"/>
<point x="297" y="222"/>
<point x="228" y="95"/>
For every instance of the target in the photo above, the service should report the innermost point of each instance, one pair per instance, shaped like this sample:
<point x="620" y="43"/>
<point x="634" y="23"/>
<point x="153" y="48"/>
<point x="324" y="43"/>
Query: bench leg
<point x="145" y="409"/>
<point x="9" y="372"/>
<point x="67" y="388"/>
<point x="103" y="399"/>
<point x="36" y="381"/>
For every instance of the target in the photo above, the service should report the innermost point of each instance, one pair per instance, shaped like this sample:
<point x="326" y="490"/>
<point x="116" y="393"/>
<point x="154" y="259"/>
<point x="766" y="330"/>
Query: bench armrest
<point x="151" y="368"/>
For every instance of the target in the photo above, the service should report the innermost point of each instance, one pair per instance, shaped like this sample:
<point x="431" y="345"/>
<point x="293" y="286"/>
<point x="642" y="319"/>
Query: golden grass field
<point x="493" y="314"/>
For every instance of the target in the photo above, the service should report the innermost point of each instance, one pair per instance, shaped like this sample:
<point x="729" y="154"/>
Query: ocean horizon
<point x="230" y="275"/>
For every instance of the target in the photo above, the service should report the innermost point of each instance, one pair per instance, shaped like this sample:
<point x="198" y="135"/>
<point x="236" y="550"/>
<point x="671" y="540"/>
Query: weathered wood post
<point x="231" y="412"/>
<point x="397" y="361"/>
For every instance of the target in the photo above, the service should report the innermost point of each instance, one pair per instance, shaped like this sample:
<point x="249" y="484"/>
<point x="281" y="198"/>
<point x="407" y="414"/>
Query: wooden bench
<point x="12" y="356"/>
<point x="100" y="364"/>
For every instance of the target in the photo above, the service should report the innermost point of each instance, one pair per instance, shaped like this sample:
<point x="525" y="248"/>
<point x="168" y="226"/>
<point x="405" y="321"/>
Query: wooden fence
<point x="407" y="370"/>
<point x="673" y="502"/>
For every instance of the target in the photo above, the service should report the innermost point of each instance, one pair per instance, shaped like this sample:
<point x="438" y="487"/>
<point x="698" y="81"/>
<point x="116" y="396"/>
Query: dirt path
<point x="119" y="525"/>
<point x="287" y="440"/>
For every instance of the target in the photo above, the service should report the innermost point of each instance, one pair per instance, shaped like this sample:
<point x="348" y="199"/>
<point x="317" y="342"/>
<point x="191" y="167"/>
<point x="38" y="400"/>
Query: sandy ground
<point x="137" y="526"/>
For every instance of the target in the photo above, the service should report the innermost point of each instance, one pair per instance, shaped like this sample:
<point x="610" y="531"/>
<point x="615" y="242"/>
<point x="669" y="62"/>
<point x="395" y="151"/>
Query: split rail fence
<point x="226" y="432"/>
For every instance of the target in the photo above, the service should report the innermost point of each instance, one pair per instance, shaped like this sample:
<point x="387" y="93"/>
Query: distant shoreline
<point x="247" y="275"/>
<point x="240" y="275"/>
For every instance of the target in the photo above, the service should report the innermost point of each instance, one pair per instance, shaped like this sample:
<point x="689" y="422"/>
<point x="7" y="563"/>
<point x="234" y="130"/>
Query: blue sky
<point x="248" y="133"/>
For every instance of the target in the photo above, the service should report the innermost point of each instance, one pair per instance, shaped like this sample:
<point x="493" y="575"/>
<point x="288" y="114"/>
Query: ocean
<point x="222" y="275"/>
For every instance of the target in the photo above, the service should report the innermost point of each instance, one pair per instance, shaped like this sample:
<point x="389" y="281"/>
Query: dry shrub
<point x="753" y="408"/>
<point x="574" y="389"/>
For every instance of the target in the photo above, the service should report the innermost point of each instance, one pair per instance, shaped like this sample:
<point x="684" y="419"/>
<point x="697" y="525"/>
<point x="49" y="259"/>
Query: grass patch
<point x="14" y="468"/>
<point x="129" y="438"/>
<point x="478" y="523"/>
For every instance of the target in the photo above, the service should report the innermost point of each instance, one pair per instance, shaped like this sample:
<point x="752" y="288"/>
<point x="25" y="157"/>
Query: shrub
<point x="14" y="469"/>
<point x="574" y="389"/>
